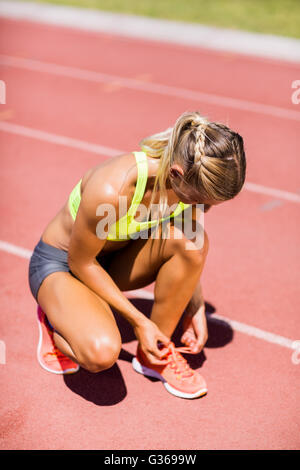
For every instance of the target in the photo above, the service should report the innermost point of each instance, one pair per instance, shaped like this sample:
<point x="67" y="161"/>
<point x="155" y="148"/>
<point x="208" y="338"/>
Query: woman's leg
<point x="175" y="269"/>
<point x="85" y="327"/>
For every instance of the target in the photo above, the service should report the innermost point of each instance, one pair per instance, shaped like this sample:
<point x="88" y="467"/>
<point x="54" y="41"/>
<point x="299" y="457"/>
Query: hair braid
<point x="211" y="155"/>
<point x="200" y="125"/>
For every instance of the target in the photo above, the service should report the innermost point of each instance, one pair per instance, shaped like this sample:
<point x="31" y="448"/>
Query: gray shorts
<point x="47" y="259"/>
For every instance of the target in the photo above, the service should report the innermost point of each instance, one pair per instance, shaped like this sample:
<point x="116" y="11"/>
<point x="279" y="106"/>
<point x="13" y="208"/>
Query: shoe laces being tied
<point x="177" y="362"/>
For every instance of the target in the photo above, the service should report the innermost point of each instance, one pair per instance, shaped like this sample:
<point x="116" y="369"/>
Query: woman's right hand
<point x="148" y="335"/>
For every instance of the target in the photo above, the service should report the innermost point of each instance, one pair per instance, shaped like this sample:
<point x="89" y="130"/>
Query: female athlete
<point x="97" y="247"/>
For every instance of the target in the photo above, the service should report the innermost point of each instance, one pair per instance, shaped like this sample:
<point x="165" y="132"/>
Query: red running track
<point x="252" y="269"/>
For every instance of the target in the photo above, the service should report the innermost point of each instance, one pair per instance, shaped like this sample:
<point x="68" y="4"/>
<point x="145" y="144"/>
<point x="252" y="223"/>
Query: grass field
<point x="280" y="17"/>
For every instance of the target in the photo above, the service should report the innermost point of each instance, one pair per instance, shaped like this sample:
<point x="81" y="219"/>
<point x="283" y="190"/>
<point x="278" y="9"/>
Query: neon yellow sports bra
<point x="127" y="226"/>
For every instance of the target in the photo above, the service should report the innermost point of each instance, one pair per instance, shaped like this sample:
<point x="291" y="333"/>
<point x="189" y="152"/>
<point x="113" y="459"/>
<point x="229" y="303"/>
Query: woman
<point x="85" y="259"/>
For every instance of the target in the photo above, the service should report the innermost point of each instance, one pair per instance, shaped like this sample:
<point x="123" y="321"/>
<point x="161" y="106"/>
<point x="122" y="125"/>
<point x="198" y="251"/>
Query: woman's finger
<point x="163" y="339"/>
<point x="161" y="350"/>
<point x="197" y="347"/>
<point x="154" y="359"/>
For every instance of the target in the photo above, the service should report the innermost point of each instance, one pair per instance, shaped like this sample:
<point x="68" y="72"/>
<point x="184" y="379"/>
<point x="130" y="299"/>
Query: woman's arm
<point x="85" y="244"/>
<point x="197" y="301"/>
<point x="194" y="324"/>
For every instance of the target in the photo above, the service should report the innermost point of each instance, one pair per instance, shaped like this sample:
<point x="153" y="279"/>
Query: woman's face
<point x="188" y="195"/>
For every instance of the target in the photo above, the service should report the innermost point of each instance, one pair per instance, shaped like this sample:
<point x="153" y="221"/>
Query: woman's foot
<point x="49" y="357"/>
<point x="177" y="376"/>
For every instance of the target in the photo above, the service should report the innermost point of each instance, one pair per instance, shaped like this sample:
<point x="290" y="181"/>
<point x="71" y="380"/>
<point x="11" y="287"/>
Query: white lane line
<point x="143" y="293"/>
<point x="256" y="332"/>
<point x="57" y="139"/>
<point x="235" y="325"/>
<point x="15" y="250"/>
<point x="278" y="193"/>
<point x="140" y="85"/>
<point x="272" y="204"/>
<point x="110" y="152"/>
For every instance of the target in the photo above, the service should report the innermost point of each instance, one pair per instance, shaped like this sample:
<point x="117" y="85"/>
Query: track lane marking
<point x="150" y="87"/>
<point x="58" y="139"/>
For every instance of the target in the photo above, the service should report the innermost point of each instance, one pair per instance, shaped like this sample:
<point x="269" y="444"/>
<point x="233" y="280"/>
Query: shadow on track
<point x="108" y="388"/>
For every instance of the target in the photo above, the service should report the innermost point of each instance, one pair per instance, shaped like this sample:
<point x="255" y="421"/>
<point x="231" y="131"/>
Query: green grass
<point x="280" y="17"/>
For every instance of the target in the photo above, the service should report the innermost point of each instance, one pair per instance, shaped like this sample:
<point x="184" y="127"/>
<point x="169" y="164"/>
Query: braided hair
<point x="211" y="155"/>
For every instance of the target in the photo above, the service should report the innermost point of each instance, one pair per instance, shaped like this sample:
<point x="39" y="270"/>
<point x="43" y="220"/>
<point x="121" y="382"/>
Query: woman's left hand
<point x="195" y="331"/>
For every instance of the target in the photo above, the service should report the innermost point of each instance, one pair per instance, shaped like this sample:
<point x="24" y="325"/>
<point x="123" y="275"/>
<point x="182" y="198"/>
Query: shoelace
<point x="177" y="362"/>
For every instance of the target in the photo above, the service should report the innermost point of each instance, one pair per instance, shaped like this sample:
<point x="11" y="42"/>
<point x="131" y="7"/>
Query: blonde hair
<point x="212" y="157"/>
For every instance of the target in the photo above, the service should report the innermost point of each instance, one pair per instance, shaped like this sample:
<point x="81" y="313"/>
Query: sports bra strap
<point x="142" y="166"/>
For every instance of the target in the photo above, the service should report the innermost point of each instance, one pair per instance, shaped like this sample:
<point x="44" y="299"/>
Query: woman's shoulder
<point x="113" y="177"/>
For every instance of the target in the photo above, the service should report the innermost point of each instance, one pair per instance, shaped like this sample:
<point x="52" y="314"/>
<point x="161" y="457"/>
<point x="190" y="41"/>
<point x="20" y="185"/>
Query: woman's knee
<point x="193" y="249"/>
<point x="100" y="353"/>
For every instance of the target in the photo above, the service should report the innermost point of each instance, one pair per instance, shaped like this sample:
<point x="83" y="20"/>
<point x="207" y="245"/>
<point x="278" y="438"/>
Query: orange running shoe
<point x="49" y="357"/>
<point x="177" y="376"/>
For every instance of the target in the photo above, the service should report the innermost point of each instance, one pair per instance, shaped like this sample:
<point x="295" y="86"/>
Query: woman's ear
<point x="173" y="173"/>
<point x="176" y="171"/>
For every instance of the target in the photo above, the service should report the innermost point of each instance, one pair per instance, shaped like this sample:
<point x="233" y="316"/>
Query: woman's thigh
<point x="81" y="317"/>
<point x="137" y="265"/>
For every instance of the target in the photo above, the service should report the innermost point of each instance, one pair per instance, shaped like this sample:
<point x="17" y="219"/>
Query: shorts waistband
<point x="46" y="250"/>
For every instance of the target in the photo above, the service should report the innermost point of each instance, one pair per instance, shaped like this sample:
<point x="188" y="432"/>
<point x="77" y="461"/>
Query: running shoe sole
<point x="39" y="347"/>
